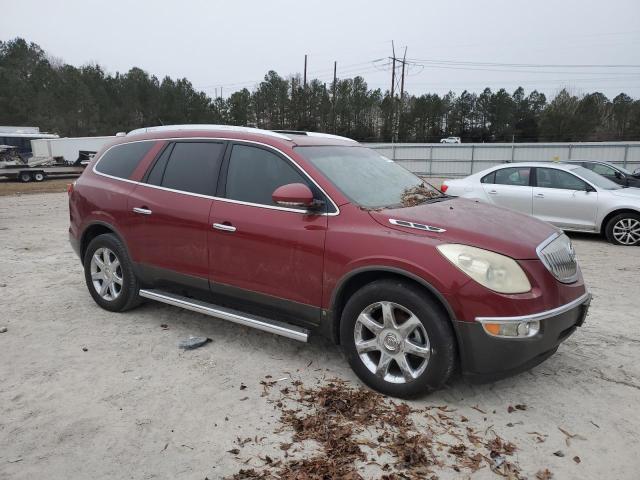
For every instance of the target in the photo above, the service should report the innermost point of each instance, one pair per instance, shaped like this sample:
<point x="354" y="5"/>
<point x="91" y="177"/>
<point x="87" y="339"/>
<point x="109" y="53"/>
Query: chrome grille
<point x="558" y="255"/>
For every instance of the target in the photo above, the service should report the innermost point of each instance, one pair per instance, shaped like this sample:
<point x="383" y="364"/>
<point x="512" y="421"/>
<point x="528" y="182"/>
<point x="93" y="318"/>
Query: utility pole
<point x="335" y="86"/>
<point x="404" y="62"/>
<point x="305" y="72"/>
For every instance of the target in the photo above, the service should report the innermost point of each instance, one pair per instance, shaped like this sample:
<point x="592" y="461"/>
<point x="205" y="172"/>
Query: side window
<point x="490" y="178"/>
<point x="120" y="161"/>
<point x="603" y="170"/>
<point x="552" y="178"/>
<point x="513" y="176"/>
<point x="189" y="167"/>
<point x="254" y="173"/>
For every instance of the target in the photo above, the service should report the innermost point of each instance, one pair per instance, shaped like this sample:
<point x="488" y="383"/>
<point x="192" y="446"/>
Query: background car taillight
<point x="70" y="188"/>
<point x="444" y="187"/>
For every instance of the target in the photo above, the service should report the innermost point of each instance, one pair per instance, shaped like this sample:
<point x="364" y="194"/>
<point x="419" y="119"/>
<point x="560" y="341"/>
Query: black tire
<point x="39" y="176"/>
<point x="628" y="218"/>
<point x="24" y="177"/>
<point x="434" y="320"/>
<point x="127" y="297"/>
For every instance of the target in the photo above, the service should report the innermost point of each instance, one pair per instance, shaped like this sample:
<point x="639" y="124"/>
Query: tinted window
<point x="157" y="172"/>
<point x="513" y="176"/>
<point x="552" y="178"/>
<point x="254" y="173"/>
<point x="121" y="160"/>
<point x="192" y="167"/>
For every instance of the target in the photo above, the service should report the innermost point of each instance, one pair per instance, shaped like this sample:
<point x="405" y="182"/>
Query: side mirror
<point x="590" y="189"/>
<point x="619" y="175"/>
<point x="293" y="195"/>
<point x="636" y="172"/>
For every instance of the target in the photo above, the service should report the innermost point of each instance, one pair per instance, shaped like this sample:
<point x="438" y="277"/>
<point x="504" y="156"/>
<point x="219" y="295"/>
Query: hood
<point x="629" y="192"/>
<point x="473" y="223"/>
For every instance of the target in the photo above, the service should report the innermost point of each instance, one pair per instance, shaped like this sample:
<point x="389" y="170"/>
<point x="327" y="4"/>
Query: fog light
<point x="512" y="329"/>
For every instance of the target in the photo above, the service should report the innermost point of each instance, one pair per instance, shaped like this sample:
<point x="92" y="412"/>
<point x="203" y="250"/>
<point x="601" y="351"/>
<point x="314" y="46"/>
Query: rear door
<point x="173" y="205"/>
<point x="259" y="251"/>
<point x="561" y="198"/>
<point x="510" y="188"/>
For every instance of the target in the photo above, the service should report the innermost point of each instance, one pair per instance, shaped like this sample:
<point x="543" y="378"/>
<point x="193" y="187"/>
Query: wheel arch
<point x="613" y="213"/>
<point x="95" y="229"/>
<point x="358" y="278"/>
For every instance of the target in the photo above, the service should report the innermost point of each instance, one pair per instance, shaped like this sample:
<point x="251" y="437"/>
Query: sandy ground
<point x="135" y="406"/>
<point x="50" y="185"/>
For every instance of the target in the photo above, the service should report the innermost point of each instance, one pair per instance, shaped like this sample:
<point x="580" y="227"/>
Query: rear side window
<point x="121" y="160"/>
<point x="254" y="173"/>
<point x="189" y="167"/>
<point x="513" y="176"/>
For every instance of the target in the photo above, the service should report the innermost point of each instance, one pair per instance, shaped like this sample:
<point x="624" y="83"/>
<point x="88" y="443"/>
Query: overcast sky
<point x="233" y="44"/>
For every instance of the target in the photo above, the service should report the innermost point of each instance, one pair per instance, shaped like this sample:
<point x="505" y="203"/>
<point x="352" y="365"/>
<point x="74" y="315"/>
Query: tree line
<point x="36" y="89"/>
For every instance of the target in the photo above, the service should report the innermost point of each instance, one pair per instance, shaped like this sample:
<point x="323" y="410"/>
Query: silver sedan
<point x="568" y="196"/>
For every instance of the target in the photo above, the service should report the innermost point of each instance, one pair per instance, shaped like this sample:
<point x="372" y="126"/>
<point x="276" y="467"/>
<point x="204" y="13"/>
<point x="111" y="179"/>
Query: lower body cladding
<point x="487" y="356"/>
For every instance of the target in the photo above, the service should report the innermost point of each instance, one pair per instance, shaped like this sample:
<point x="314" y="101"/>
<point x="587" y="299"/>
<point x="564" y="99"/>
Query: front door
<point x="257" y="249"/>
<point x="173" y="205"/>
<point x="564" y="200"/>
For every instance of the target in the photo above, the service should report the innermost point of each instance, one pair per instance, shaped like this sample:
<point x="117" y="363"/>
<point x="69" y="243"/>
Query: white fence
<point x="459" y="160"/>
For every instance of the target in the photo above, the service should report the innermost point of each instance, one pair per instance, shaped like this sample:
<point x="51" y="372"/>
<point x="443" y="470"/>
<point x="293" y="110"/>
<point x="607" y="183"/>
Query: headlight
<point x="492" y="270"/>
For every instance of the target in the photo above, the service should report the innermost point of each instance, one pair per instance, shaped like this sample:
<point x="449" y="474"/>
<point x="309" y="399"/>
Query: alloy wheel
<point x="106" y="274"/>
<point x="392" y="342"/>
<point x="627" y="231"/>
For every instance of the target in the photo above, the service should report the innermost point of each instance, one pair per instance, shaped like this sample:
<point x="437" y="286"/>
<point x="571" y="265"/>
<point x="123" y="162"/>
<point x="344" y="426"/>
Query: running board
<point x="235" y="316"/>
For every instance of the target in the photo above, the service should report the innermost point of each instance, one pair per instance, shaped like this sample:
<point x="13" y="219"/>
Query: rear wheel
<point x="624" y="229"/>
<point x="109" y="274"/>
<point x="397" y="339"/>
<point x="24" y="177"/>
<point x="38" y="176"/>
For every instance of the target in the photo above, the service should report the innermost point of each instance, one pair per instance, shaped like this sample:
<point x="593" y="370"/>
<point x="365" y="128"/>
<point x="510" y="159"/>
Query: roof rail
<point x="228" y="128"/>
<point x="314" y="134"/>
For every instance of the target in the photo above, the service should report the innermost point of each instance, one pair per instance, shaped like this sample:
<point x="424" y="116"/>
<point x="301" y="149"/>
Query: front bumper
<point x="485" y="357"/>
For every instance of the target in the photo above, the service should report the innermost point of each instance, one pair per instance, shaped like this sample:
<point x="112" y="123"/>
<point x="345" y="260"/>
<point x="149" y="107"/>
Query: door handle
<point x="493" y="192"/>
<point x="224" y="228"/>
<point x="539" y="195"/>
<point x="143" y="211"/>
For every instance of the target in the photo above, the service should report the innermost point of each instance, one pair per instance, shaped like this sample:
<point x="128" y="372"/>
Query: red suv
<point x="300" y="232"/>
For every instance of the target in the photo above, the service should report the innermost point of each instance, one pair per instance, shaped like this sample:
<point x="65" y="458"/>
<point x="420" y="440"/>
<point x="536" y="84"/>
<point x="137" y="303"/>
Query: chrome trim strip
<point x="417" y="226"/>
<point x="221" y="199"/>
<point x="586" y="297"/>
<point x="266" y="325"/>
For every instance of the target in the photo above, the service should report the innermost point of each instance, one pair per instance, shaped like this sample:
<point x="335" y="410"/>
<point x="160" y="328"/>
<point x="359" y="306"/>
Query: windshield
<point x="368" y="178"/>
<point x="596" y="179"/>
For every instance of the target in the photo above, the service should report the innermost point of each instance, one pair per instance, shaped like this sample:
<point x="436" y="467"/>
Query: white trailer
<point x="68" y="150"/>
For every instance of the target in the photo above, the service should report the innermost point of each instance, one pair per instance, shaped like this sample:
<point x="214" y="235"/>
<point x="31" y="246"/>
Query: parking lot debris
<point x="85" y="349"/>
<point x="193" y="342"/>
<point x="577" y="459"/>
<point x="3" y="329"/>
<point x="355" y="426"/>
<point x="544" y="474"/>
<point x="559" y="453"/>
<point x="164" y="326"/>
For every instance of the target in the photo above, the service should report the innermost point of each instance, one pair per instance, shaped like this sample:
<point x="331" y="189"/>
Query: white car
<point x="451" y="140"/>
<point x="568" y="196"/>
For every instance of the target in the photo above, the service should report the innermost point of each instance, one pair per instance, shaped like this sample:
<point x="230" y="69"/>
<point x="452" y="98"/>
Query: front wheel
<point x="397" y="339"/>
<point x="24" y="177"/>
<point x="39" y="176"/>
<point x="109" y="274"/>
<point x="624" y="229"/>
